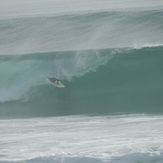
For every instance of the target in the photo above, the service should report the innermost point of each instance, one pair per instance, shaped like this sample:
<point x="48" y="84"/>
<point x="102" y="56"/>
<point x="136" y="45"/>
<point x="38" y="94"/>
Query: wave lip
<point x="136" y="46"/>
<point x="135" y="158"/>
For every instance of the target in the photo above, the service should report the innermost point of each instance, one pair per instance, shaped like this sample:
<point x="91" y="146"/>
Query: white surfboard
<point x="57" y="83"/>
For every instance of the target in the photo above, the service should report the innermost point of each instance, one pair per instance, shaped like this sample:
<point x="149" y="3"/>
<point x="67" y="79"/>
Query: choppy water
<point x="99" y="139"/>
<point x="109" y="56"/>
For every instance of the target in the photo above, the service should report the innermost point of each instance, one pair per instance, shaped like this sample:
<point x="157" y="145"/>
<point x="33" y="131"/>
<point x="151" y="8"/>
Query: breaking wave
<point x="97" y="81"/>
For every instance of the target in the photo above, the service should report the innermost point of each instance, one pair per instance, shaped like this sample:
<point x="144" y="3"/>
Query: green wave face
<point x="97" y="82"/>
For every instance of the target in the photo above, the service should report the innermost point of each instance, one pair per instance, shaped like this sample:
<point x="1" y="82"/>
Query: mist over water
<point x="111" y="29"/>
<point x="20" y="8"/>
<point x="39" y="26"/>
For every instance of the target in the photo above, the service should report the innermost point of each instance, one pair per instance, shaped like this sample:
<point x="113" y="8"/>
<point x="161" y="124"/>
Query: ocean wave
<point x="112" y="29"/>
<point x="28" y="71"/>
<point x="93" y="78"/>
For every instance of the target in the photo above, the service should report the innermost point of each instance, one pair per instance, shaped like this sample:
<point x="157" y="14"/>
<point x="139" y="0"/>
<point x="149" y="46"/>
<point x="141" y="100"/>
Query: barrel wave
<point x="97" y="82"/>
<point x="110" y="62"/>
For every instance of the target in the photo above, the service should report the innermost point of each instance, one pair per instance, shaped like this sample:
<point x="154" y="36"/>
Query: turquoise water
<point x="97" y="82"/>
<point x="108" y="55"/>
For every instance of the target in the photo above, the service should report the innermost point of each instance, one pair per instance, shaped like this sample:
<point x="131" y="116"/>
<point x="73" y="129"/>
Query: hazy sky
<point x="34" y="7"/>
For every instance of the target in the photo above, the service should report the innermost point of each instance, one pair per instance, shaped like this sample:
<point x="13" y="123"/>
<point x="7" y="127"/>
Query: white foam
<point x="149" y="45"/>
<point x="107" y="138"/>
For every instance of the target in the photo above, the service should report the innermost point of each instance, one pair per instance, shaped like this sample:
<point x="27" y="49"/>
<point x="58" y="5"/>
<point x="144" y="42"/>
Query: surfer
<point x="56" y="82"/>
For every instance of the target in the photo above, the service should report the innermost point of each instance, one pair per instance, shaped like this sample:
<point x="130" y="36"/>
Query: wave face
<point x="108" y="55"/>
<point x="97" y="82"/>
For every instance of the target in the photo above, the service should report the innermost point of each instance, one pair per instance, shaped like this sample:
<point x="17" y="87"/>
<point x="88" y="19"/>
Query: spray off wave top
<point x="114" y="29"/>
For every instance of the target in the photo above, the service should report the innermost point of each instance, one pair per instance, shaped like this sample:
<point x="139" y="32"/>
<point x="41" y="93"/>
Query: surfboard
<point x="56" y="82"/>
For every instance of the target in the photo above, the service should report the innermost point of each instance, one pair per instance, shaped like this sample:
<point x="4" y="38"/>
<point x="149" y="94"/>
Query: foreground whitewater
<point x="89" y="139"/>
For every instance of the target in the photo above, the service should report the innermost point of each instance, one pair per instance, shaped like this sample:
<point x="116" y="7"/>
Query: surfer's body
<point x="56" y="82"/>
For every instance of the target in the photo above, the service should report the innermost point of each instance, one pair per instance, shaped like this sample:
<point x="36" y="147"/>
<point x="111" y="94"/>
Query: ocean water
<point x="109" y="56"/>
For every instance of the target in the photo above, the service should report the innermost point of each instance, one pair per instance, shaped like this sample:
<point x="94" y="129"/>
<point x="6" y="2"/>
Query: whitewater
<point x="108" y="54"/>
<point x="129" y="138"/>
